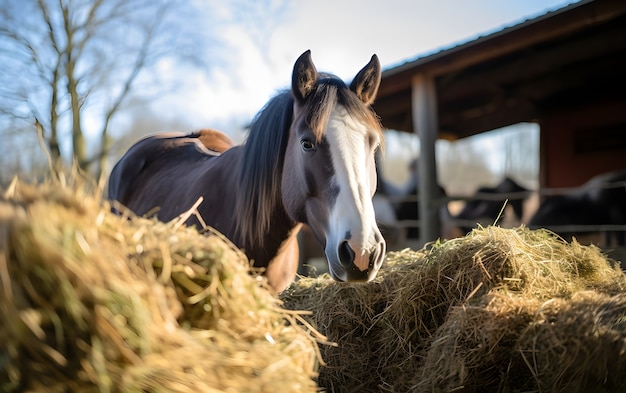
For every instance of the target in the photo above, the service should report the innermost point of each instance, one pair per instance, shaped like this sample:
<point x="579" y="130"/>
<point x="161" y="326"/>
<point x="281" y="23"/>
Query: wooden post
<point x="425" y="124"/>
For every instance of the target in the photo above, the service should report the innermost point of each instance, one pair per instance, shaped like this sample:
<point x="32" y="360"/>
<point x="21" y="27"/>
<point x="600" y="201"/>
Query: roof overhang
<point x="566" y="58"/>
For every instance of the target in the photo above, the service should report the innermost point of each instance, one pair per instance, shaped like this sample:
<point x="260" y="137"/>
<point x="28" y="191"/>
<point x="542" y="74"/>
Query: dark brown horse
<point x="309" y="158"/>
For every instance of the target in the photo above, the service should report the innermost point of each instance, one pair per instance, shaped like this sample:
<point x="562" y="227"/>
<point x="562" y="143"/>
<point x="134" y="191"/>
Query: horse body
<point x="154" y="173"/>
<point x="309" y="158"/>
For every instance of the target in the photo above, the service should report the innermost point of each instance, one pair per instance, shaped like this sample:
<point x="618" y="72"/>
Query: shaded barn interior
<point x="564" y="70"/>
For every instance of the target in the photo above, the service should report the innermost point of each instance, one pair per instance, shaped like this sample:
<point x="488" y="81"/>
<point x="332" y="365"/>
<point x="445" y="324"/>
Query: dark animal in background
<point x="408" y="210"/>
<point x="308" y="159"/>
<point x="486" y="211"/>
<point x="600" y="201"/>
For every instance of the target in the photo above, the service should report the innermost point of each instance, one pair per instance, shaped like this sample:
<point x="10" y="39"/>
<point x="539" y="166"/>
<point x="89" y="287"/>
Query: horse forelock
<point x="330" y="92"/>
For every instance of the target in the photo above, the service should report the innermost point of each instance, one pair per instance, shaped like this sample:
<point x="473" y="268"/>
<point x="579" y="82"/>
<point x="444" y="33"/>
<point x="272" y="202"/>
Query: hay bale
<point x="578" y="344"/>
<point x="475" y="348"/>
<point x="514" y="343"/>
<point x="90" y="301"/>
<point x="455" y="316"/>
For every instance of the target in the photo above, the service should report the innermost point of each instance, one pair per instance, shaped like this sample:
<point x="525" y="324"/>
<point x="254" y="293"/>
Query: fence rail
<point x="402" y="224"/>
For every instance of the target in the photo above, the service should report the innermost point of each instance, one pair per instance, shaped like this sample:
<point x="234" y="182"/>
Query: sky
<point x="259" y="41"/>
<point x="342" y="35"/>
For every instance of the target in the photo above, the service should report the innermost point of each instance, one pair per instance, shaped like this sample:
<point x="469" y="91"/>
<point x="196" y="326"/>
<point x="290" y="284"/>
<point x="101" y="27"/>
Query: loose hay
<point x="90" y="301"/>
<point x="499" y="310"/>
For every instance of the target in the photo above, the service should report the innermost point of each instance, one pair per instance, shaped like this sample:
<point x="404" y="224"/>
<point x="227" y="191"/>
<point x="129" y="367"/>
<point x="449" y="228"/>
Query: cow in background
<point x="487" y="211"/>
<point x="600" y="201"/>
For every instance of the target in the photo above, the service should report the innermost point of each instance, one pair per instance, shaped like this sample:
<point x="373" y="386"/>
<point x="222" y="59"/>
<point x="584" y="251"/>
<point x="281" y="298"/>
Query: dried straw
<point x="90" y="301"/>
<point x="466" y="315"/>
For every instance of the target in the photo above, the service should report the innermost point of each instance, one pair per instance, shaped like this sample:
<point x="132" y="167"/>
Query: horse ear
<point x="304" y="77"/>
<point x="366" y="82"/>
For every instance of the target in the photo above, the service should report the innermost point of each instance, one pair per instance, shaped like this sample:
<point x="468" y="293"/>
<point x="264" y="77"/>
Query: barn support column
<point x="425" y="124"/>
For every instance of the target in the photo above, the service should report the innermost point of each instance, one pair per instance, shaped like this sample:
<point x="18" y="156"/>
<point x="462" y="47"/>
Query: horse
<point x="308" y="159"/>
<point x="599" y="201"/>
<point x="488" y="210"/>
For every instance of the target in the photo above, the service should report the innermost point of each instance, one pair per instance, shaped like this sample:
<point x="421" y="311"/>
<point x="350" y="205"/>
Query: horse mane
<point x="264" y="149"/>
<point x="262" y="162"/>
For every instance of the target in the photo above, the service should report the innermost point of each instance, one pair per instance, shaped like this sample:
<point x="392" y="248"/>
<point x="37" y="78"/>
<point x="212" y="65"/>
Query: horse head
<point x="329" y="175"/>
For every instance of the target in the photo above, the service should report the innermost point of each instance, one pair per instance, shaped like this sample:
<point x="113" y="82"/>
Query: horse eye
<point x="307" y="145"/>
<point x="374" y="143"/>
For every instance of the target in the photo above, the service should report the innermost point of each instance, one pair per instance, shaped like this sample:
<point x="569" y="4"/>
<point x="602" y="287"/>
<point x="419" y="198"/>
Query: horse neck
<point x="278" y="251"/>
<point x="243" y="233"/>
<point x="281" y="227"/>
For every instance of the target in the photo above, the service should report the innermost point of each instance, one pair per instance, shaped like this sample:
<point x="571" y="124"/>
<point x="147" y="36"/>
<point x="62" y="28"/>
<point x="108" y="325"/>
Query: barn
<point x="563" y="70"/>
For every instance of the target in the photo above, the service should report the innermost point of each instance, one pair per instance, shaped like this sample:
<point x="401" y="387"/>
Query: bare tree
<point x="65" y="60"/>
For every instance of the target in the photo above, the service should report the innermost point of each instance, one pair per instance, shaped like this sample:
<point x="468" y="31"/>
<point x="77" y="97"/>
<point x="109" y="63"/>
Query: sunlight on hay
<point x="91" y="301"/>
<point x="497" y="310"/>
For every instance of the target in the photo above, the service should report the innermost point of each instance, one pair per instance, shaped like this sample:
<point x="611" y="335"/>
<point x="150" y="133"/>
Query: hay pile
<point x="90" y="301"/>
<point x="501" y="310"/>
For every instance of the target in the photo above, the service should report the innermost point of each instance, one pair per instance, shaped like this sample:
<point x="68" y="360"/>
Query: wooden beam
<point x="496" y="115"/>
<point x="424" y="107"/>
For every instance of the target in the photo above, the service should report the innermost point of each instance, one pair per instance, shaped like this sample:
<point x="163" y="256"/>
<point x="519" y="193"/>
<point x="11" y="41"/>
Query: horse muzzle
<point x="350" y="265"/>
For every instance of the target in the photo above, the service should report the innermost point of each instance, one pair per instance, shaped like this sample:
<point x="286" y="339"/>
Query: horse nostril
<point x="346" y="255"/>
<point x="376" y="257"/>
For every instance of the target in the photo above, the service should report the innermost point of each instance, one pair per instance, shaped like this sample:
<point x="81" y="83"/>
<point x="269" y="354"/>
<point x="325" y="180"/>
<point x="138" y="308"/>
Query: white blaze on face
<point x="352" y="217"/>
